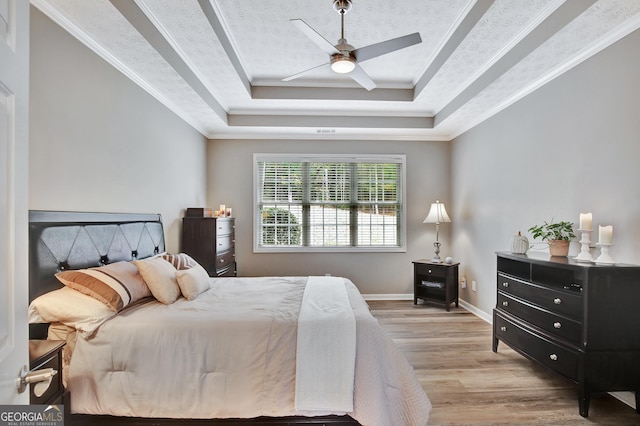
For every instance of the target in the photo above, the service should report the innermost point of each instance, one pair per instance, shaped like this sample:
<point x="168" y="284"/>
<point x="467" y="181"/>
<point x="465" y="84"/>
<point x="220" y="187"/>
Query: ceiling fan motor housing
<point x="342" y="6"/>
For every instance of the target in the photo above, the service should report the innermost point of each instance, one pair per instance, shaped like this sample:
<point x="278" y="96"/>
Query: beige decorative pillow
<point x="193" y="281"/>
<point x="116" y="285"/>
<point x="71" y="308"/>
<point x="180" y="261"/>
<point x="160" y="276"/>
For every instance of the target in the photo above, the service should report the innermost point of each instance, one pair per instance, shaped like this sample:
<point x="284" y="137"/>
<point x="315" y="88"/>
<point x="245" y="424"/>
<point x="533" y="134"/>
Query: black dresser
<point x="581" y="320"/>
<point x="211" y="242"/>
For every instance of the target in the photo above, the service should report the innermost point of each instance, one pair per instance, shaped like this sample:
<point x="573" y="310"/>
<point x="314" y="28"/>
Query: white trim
<point x="620" y="32"/>
<point x="56" y="16"/>
<point x="628" y="398"/>
<point x="477" y="312"/>
<point x="391" y="296"/>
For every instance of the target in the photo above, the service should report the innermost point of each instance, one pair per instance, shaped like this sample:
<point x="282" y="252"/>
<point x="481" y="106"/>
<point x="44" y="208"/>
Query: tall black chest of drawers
<point x="211" y="242"/>
<point x="581" y="320"/>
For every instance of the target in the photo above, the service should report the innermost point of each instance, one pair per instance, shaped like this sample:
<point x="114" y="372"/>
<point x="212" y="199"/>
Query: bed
<point x="212" y="355"/>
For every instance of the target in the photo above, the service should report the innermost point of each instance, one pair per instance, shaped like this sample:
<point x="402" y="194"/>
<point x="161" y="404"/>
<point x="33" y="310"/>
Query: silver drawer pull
<point x="505" y="303"/>
<point x="553" y="357"/>
<point x="505" y="284"/>
<point x="429" y="270"/>
<point x="222" y="261"/>
<point x="503" y="328"/>
<point x="557" y="301"/>
<point x="557" y="325"/>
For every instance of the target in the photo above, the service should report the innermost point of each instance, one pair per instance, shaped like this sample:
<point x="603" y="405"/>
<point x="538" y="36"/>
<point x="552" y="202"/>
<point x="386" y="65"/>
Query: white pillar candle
<point x="585" y="221"/>
<point x="605" y="234"/>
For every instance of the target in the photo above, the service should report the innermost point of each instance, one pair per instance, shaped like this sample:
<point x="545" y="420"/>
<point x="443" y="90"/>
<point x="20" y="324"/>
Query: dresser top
<point x="430" y="262"/>
<point x="545" y="258"/>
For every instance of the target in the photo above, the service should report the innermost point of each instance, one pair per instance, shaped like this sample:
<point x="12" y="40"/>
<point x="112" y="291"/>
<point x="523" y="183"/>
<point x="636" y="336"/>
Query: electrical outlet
<point x="473" y="285"/>
<point x="463" y="282"/>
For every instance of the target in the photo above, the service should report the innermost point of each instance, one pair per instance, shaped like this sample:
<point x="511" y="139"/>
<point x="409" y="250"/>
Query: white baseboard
<point x="477" y="312"/>
<point x="388" y="296"/>
<point x="628" y="398"/>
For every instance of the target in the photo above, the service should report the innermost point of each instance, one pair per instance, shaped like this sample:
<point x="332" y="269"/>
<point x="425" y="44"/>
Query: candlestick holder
<point x="604" y="257"/>
<point x="585" y="243"/>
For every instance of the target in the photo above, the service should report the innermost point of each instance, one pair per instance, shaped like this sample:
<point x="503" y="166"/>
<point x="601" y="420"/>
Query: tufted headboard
<point x="75" y="240"/>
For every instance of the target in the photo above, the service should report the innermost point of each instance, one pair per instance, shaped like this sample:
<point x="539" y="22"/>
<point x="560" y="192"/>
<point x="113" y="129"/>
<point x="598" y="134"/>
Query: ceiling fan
<point x="344" y="58"/>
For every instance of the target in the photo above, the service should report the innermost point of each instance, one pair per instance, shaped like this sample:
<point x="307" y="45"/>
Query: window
<point x="329" y="202"/>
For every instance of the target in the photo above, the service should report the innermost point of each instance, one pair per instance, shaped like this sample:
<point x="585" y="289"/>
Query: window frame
<point x="329" y="158"/>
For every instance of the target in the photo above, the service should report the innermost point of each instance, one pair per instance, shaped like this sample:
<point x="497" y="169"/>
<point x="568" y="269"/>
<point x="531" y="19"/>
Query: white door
<point x="14" y="161"/>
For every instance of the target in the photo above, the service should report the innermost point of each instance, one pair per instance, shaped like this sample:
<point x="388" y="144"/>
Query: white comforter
<point x="231" y="353"/>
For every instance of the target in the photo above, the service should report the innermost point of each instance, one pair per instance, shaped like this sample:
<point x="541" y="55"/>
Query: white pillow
<point x="193" y="281"/>
<point x="71" y="308"/>
<point x="160" y="277"/>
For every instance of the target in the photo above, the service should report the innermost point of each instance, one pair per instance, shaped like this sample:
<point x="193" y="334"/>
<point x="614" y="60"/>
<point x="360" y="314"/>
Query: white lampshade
<point x="437" y="214"/>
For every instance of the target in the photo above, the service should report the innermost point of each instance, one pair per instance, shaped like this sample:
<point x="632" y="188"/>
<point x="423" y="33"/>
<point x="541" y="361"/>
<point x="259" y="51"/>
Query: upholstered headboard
<point x="75" y="240"/>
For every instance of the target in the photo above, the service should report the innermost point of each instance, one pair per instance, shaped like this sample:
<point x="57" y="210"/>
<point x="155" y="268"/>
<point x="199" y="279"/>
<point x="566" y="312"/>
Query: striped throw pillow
<point x="116" y="285"/>
<point x="180" y="261"/>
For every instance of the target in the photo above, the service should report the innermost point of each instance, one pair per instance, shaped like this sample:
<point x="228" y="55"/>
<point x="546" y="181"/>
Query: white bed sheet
<point x="230" y="353"/>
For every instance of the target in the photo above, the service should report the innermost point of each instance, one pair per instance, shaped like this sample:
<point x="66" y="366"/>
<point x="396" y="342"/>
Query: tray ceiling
<point x="219" y="64"/>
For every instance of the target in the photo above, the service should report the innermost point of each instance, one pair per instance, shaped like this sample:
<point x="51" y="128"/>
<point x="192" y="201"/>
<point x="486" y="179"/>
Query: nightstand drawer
<point x="562" y="327"/>
<point x="553" y="355"/>
<point x="561" y="302"/>
<point x="433" y="271"/>
<point x="46" y="354"/>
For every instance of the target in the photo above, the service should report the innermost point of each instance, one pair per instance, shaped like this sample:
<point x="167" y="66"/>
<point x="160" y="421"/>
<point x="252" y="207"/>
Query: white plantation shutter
<point x="329" y="202"/>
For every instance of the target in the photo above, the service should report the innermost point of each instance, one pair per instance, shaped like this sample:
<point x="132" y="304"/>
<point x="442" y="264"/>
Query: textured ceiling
<point x="219" y="64"/>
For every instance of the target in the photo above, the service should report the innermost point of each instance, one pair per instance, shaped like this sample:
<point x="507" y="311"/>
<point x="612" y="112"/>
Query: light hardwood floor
<point x="468" y="384"/>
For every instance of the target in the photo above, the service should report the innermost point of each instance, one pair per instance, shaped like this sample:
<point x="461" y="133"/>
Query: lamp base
<point x="436" y="257"/>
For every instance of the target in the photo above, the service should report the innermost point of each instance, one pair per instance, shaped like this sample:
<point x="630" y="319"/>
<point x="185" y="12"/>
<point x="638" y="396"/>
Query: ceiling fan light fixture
<point x="342" y="64"/>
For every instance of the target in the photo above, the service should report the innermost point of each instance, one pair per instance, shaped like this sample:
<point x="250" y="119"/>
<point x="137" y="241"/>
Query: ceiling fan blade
<point x="377" y="49"/>
<point x="361" y="77"/>
<point x="320" y="41"/>
<point x="301" y="73"/>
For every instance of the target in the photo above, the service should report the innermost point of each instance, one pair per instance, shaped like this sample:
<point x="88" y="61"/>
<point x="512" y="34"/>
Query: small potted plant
<point x="557" y="234"/>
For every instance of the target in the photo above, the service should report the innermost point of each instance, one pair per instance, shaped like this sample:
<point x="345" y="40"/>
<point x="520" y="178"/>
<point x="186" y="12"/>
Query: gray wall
<point x="98" y="142"/>
<point x="571" y="147"/>
<point x="229" y="181"/>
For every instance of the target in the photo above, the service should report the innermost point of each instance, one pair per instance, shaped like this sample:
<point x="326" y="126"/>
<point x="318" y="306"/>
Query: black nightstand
<point x="48" y="354"/>
<point x="435" y="282"/>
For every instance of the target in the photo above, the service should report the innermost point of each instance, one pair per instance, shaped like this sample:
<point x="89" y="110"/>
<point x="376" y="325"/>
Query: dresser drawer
<point x="224" y="227"/>
<point x="561" y="302"/>
<point x="559" y="326"/>
<point x="225" y="242"/>
<point x="551" y="354"/>
<point x="223" y="260"/>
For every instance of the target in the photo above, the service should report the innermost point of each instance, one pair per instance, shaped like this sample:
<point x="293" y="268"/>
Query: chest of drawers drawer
<point x="224" y="242"/>
<point x="558" y="325"/>
<point x="224" y="259"/>
<point x="554" y="355"/>
<point x="224" y="227"/>
<point x="561" y="302"/>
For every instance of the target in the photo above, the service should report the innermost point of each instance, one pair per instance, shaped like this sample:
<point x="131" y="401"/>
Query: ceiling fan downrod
<point x="343" y="62"/>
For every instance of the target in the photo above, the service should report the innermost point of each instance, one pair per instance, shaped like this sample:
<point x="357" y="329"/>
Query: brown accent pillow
<point x="116" y="285"/>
